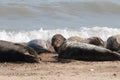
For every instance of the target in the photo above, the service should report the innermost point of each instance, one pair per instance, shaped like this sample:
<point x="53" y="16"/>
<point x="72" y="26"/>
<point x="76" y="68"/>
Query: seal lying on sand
<point x="92" y="40"/>
<point x="57" y="40"/>
<point x="13" y="52"/>
<point x="83" y="51"/>
<point x="113" y="43"/>
<point x="95" y="41"/>
<point x="40" y="46"/>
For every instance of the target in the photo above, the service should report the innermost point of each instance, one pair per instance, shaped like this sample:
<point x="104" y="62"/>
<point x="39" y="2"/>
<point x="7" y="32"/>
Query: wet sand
<point x="50" y="69"/>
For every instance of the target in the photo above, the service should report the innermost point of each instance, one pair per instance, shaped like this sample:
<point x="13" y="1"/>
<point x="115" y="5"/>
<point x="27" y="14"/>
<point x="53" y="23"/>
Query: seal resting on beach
<point x="14" y="52"/>
<point x="57" y="40"/>
<point x="95" y="41"/>
<point x="75" y="38"/>
<point x="92" y="40"/>
<point x="41" y="46"/>
<point x="113" y="43"/>
<point x="83" y="51"/>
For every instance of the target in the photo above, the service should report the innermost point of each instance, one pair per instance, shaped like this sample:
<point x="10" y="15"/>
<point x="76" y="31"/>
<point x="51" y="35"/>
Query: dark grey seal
<point x="41" y="46"/>
<point x="15" y="52"/>
<point x="57" y="40"/>
<point x="113" y="43"/>
<point x="83" y="51"/>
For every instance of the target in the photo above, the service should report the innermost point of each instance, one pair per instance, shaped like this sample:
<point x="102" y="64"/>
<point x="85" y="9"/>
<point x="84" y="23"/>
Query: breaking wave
<point x="25" y="36"/>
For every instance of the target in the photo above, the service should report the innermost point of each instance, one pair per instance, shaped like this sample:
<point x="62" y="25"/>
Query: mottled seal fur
<point x="113" y="43"/>
<point x="75" y="38"/>
<point x="13" y="52"/>
<point x="94" y="41"/>
<point x="57" y="40"/>
<point x="41" y="46"/>
<point x="83" y="51"/>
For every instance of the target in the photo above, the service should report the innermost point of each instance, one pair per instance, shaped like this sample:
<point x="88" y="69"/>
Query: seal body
<point x="75" y="38"/>
<point x="40" y="46"/>
<point x="13" y="52"/>
<point x="113" y="43"/>
<point x="83" y="51"/>
<point x="94" y="41"/>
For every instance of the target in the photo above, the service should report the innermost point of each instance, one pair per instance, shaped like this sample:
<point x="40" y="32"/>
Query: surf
<point x="47" y="34"/>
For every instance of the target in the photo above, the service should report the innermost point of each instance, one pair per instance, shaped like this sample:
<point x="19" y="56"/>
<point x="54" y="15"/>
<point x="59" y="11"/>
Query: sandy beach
<point x="22" y="21"/>
<point x="50" y="69"/>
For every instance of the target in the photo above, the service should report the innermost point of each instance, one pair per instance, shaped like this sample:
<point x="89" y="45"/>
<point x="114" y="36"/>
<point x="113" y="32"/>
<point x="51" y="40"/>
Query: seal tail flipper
<point x="30" y="50"/>
<point x="117" y="55"/>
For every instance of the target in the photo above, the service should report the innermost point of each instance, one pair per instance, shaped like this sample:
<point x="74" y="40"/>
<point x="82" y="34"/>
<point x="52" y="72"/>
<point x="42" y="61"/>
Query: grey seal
<point x="83" y="51"/>
<point x="14" y="52"/>
<point x="41" y="46"/>
<point x="113" y="43"/>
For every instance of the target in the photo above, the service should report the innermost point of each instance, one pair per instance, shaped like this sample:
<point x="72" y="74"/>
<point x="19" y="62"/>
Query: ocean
<point x="24" y="20"/>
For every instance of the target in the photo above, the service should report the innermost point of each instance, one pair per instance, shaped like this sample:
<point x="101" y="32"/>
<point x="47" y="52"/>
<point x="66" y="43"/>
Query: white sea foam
<point x="25" y="36"/>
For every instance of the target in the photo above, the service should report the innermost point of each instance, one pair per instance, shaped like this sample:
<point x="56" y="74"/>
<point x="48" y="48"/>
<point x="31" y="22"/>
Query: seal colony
<point x="75" y="47"/>
<point x="83" y="50"/>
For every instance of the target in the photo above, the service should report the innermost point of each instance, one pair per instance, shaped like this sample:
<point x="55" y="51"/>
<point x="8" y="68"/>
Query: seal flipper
<point x="30" y="51"/>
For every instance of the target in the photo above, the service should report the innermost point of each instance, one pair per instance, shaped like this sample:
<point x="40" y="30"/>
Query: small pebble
<point x="114" y="74"/>
<point x="91" y="69"/>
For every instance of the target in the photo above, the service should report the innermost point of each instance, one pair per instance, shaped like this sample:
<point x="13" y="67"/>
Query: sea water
<point x="24" y="20"/>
